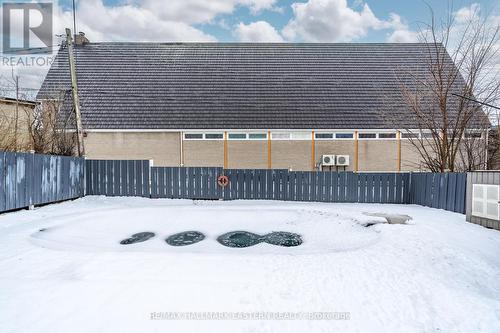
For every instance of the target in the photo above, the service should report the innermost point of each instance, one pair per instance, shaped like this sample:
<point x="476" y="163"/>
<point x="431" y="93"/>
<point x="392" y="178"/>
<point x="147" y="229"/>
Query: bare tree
<point x="46" y="129"/>
<point x="446" y="126"/>
<point x="7" y="136"/>
<point x="52" y="129"/>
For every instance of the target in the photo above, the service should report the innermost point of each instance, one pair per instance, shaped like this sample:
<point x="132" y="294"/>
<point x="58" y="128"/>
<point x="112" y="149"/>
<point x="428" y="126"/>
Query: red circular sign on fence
<point x="223" y="180"/>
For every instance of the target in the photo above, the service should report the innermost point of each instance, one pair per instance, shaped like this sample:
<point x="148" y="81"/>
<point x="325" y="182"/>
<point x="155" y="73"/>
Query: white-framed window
<point x="334" y="136"/>
<point x="237" y="136"/>
<point x="387" y="135"/>
<point x="193" y="136"/>
<point x="214" y="136"/>
<point x="473" y="134"/>
<point x="323" y="136"/>
<point x="257" y="136"/>
<point x="203" y="136"/>
<point x="280" y="135"/>
<point x="301" y="136"/>
<point x="426" y="135"/>
<point x="485" y="201"/>
<point x="409" y="135"/>
<point x="367" y="136"/>
<point x="344" y="136"/>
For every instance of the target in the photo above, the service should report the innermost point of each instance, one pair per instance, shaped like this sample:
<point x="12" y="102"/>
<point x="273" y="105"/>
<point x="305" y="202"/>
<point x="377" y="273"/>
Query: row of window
<point x="317" y="136"/>
<point x="220" y="136"/>
<point x="287" y="136"/>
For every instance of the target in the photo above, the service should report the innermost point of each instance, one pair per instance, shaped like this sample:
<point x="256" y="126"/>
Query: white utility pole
<point x="74" y="89"/>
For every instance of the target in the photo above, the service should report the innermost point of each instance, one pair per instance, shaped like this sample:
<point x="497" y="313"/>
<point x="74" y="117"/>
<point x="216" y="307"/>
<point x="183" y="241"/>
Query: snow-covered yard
<point x="435" y="274"/>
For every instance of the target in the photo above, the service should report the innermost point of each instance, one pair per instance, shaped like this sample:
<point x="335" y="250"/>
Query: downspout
<point x="487" y="133"/>
<point x="356" y="151"/>
<point x="269" y="151"/>
<point x="181" y="155"/>
<point x="399" y="150"/>
<point x="313" y="152"/>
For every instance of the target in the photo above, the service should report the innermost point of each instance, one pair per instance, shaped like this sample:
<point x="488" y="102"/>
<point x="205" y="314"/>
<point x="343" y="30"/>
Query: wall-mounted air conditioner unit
<point x="327" y="160"/>
<point x="342" y="160"/>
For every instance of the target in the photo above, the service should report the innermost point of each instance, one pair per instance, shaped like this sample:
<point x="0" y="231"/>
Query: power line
<point x="474" y="100"/>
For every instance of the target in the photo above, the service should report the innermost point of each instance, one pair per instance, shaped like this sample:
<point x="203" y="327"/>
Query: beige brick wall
<point x="294" y="154"/>
<point x="163" y="148"/>
<point x="198" y="153"/>
<point x="247" y="154"/>
<point x="378" y="155"/>
<point x="410" y="157"/>
<point x="337" y="147"/>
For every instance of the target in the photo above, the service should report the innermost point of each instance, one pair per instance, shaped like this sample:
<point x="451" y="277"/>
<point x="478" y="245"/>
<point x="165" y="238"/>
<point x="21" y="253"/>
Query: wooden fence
<point x="32" y="179"/>
<point x="118" y="177"/>
<point x="201" y="183"/>
<point x="445" y="191"/>
<point x="439" y="190"/>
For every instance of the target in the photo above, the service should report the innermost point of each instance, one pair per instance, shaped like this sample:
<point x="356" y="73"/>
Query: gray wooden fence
<point x="439" y="190"/>
<point x="33" y="179"/>
<point x="137" y="178"/>
<point x="201" y="183"/>
<point x="118" y="177"/>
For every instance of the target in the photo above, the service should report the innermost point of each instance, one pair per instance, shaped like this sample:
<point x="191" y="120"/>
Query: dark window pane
<point x="213" y="136"/>
<point x="193" y="136"/>
<point x="238" y="136"/>
<point x="408" y="135"/>
<point x="387" y="135"/>
<point x="257" y="136"/>
<point x="324" y="135"/>
<point x="472" y="135"/>
<point x="344" y="135"/>
<point x="367" y="135"/>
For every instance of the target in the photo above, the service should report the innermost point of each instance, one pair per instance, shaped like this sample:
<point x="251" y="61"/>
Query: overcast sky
<point x="250" y="21"/>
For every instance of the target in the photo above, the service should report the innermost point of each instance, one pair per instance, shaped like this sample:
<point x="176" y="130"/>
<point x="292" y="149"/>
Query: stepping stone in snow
<point x="283" y="238"/>
<point x="137" y="238"/>
<point x="239" y="239"/>
<point x="185" y="238"/>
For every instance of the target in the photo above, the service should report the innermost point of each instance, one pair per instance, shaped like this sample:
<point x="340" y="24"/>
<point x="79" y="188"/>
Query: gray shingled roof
<point x="235" y="85"/>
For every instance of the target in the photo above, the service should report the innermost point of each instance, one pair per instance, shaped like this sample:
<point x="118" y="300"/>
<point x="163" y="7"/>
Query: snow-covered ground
<point x="435" y="274"/>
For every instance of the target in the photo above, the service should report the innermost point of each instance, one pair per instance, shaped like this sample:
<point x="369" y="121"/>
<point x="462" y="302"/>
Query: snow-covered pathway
<point x="436" y="274"/>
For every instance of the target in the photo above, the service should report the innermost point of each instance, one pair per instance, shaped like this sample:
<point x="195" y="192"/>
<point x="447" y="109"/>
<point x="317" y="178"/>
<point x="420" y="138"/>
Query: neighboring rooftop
<point x="10" y="100"/>
<point x="236" y="85"/>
